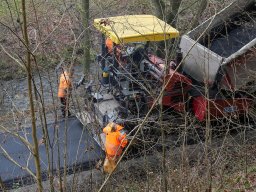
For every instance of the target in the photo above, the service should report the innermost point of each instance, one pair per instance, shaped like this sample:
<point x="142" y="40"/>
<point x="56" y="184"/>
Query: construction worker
<point x="109" y="46"/>
<point x="64" y="91"/>
<point x="115" y="142"/>
<point x="110" y="50"/>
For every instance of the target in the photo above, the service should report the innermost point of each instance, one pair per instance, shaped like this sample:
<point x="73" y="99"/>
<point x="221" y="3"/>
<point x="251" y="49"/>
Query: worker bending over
<point x="64" y="91"/>
<point x="115" y="142"/>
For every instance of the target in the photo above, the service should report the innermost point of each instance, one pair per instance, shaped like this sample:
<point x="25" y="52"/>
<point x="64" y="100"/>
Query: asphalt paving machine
<point x="202" y="80"/>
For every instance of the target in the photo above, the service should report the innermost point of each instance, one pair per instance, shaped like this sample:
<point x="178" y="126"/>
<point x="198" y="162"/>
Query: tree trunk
<point x="173" y="14"/>
<point x="168" y="15"/>
<point x="86" y="46"/>
<point x="159" y="8"/>
<point x="32" y="111"/>
<point x="200" y="10"/>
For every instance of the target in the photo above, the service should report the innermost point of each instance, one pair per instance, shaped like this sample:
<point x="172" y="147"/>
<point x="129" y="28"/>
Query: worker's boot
<point x="109" y="165"/>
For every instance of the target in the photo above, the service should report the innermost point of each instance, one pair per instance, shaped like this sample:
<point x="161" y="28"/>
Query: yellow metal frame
<point x="135" y="28"/>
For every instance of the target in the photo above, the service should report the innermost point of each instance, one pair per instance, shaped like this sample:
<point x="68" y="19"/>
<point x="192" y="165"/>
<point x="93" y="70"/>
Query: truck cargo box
<point x="222" y="49"/>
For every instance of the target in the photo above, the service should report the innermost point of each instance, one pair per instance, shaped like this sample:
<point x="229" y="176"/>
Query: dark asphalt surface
<point x="82" y="152"/>
<point x="233" y="34"/>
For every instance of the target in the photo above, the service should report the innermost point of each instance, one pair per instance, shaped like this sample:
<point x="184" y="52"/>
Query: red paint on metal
<point x="219" y="108"/>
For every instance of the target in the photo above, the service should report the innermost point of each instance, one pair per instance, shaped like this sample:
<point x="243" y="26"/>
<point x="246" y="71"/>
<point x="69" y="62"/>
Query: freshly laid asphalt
<point x="82" y="152"/>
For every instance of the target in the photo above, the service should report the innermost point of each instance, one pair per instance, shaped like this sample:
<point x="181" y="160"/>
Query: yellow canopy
<point x="135" y="28"/>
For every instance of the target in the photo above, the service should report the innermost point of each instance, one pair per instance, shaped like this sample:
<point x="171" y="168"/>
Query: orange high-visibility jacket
<point x="109" y="45"/>
<point x="65" y="84"/>
<point x="115" y="141"/>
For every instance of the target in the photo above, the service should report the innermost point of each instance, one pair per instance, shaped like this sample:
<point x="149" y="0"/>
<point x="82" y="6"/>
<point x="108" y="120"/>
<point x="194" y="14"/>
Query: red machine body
<point x="178" y="92"/>
<point x="176" y="85"/>
<point x="219" y="108"/>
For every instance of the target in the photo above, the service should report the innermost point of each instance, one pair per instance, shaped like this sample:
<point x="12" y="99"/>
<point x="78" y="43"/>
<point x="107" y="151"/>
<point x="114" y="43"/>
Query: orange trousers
<point x="110" y="164"/>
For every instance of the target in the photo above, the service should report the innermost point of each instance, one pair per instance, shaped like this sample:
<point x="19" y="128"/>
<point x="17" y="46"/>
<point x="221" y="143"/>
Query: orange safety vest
<point x="65" y="84"/>
<point x="115" y="141"/>
<point x="109" y="45"/>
